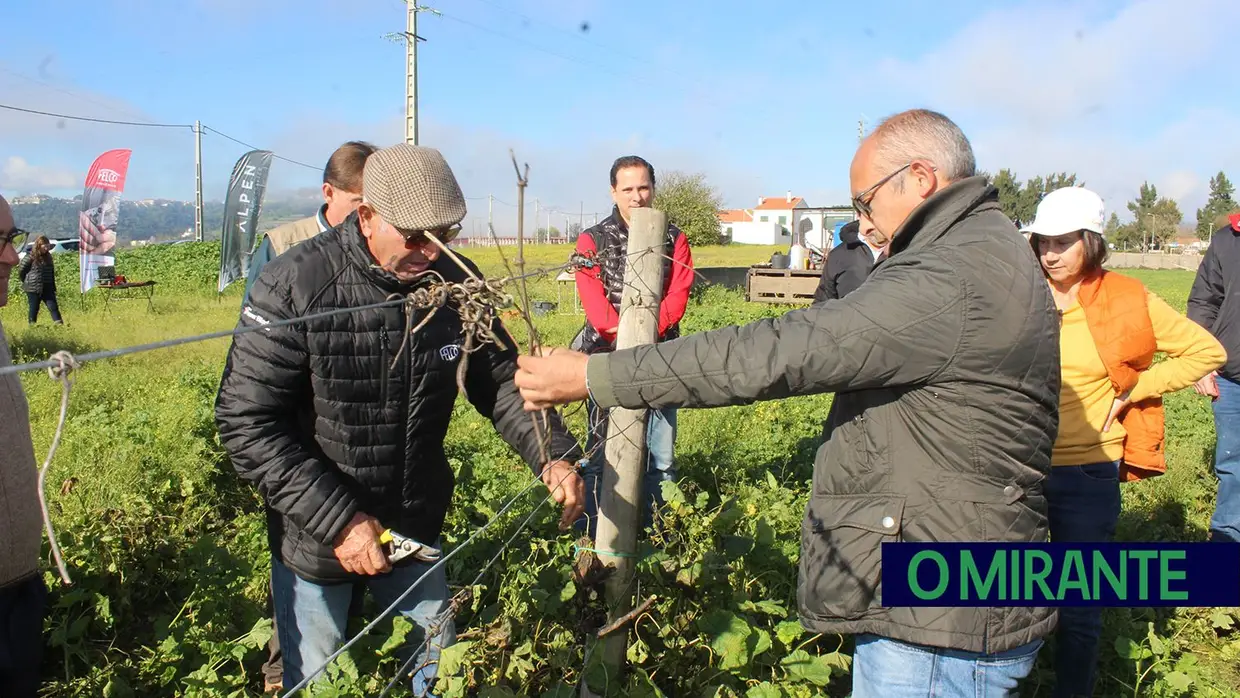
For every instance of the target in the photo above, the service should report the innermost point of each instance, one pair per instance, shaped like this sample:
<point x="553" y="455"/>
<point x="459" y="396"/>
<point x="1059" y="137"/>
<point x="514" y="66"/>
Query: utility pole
<point x="625" y="457"/>
<point x="411" y="72"/>
<point x="536" y="220"/>
<point x="581" y="218"/>
<point x="491" y="212"/>
<point x="197" y="181"/>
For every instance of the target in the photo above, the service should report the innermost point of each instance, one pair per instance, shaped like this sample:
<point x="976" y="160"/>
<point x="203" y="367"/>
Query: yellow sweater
<point x="1086" y="394"/>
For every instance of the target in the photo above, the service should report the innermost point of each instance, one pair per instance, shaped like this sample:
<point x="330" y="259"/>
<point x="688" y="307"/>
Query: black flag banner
<point x="241" y="210"/>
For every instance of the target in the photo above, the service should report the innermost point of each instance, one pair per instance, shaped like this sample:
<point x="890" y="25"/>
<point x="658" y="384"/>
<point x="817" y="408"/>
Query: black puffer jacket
<point x="315" y="416"/>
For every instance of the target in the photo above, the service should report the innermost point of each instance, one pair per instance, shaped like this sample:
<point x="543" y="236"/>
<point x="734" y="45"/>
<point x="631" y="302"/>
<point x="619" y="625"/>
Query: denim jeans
<point x="887" y="668"/>
<point x="1225" y="524"/>
<point x="1083" y="507"/>
<point x="48" y="298"/>
<point x="660" y="461"/>
<point x="22" y="606"/>
<point x="312" y="618"/>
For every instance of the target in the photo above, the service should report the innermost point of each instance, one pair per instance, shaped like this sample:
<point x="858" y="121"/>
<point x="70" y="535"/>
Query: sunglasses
<point x="418" y="238"/>
<point x="861" y="202"/>
<point x="15" y="237"/>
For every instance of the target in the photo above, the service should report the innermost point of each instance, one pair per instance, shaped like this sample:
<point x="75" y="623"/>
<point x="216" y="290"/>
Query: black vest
<point x="611" y="241"/>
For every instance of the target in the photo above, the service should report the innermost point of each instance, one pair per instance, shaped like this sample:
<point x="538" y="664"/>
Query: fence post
<point x="622" y="496"/>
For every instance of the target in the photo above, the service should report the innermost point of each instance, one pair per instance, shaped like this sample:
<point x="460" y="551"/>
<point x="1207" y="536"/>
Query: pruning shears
<point x="399" y="547"/>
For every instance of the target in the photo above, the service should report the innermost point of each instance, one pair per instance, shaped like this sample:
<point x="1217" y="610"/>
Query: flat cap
<point x="413" y="188"/>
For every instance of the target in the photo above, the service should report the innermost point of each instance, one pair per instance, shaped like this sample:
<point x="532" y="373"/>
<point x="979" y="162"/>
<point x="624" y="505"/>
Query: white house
<point x="768" y="223"/>
<point x="778" y="220"/>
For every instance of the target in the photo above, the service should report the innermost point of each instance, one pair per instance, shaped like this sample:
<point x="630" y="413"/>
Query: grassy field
<point x="167" y="547"/>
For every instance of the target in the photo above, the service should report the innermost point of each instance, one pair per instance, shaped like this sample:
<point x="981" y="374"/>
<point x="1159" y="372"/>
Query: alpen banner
<point x="241" y="210"/>
<point x="97" y="221"/>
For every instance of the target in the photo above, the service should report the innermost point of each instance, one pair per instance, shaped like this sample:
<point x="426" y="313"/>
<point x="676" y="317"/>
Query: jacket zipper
<point x="387" y="362"/>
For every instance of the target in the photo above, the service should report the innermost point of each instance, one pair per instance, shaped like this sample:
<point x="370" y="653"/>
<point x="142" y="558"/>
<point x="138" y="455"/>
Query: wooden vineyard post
<point x="621" y="500"/>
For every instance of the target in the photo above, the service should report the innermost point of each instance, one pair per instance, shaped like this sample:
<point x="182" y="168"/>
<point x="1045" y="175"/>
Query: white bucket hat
<point x="1068" y="210"/>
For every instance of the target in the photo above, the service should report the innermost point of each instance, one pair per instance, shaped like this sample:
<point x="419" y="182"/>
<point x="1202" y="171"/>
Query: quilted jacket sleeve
<point x="902" y="327"/>
<point x="265" y="384"/>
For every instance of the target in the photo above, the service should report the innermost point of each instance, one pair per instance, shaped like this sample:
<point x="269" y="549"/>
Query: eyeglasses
<point x="418" y="238"/>
<point x="861" y="202"/>
<point x="16" y="237"/>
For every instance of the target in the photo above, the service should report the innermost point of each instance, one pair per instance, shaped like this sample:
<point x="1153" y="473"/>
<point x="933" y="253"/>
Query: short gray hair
<point x="921" y="134"/>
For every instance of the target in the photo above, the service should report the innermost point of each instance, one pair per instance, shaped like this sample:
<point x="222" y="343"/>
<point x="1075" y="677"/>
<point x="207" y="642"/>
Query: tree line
<point x="1155" y="219"/>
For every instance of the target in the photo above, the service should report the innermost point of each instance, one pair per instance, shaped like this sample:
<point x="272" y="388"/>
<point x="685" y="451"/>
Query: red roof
<point x="779" y="203"/>
<point x="735" y="215"/>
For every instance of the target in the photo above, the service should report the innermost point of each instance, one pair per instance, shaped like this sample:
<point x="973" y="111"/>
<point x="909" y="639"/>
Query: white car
<point x="58" y="246"/>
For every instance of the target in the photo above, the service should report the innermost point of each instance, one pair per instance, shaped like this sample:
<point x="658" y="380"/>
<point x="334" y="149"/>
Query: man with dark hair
<point x="1214" y="303"/>
<point x="847" y="264"/>
<point x="632" y="186"/>
<point x="945" y="370"/>
<point x="342" y="192"/>
<point x="340" y="421"/>
<point x="23" y="597"/>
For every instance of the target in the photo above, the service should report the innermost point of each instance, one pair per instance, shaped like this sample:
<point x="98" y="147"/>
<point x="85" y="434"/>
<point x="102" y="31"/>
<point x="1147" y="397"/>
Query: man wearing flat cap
<point x="340" y="421"/>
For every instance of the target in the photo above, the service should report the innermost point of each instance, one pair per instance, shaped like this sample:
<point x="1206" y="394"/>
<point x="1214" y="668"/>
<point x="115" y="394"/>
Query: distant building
<point x="778" y="220"/>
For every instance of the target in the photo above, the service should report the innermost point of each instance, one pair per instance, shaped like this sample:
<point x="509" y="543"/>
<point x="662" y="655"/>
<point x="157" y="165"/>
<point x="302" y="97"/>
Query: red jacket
<point x="600" y="287"/>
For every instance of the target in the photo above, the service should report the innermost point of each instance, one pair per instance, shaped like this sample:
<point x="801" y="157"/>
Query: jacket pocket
<point x="841" y="564"/>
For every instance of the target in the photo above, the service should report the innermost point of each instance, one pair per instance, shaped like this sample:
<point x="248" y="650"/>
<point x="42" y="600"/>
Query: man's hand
<point x="1208" y="385"/>
<point x="93" y="238"/>
<point x="357" y="547"/>
<point x="553" y="378"/>
<point x="567" y="488"/>
<point x="1116" y="407"/>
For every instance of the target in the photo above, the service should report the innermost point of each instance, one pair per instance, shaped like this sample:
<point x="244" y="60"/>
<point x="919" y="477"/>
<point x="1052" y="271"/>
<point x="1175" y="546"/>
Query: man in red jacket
<point x="600" y="289"/>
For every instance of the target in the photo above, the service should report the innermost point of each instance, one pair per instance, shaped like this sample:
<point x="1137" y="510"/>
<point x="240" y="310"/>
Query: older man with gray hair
<point x="340" y="421"/>
<point x="945" y="369"/>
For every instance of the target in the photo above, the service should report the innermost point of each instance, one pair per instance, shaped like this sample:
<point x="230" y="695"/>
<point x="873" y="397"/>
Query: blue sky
<point x="761" y="97"/>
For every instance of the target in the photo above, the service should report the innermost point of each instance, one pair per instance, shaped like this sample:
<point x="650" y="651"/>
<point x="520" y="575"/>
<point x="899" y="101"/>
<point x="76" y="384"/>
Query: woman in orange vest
<point x="1110" y="400"/>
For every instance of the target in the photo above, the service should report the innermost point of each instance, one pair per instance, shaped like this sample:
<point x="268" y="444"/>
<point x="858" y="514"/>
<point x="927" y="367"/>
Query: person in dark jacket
<point x="600" y="287"/>
<point x="38" y="276"/>
<point x="945" y="369"/>
<point x="342" y="194"/>
<point x="847" y="264"/>
<point x="1214" y="303"/>
<point x="340" y="421"/>
<point x="23" y="596"/>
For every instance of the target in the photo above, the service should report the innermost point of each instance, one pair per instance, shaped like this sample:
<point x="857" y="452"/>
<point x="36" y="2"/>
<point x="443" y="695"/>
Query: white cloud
<point x="20" y="177"/>
<point x="1047" y="87"/>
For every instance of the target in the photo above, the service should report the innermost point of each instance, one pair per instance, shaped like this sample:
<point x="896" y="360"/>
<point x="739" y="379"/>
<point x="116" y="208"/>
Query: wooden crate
<point x="766" y="285"/>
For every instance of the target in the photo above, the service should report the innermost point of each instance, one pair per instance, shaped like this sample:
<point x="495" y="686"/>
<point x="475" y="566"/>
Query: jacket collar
<point x="358" y="254"/>
<point x="936" y="215"/>
<point x="321" y="219"/>
<point x="618" y="220"/>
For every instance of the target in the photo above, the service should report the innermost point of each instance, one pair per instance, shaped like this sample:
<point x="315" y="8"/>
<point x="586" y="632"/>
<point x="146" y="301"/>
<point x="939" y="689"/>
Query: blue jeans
<point x="886" y="668"/>
<point x="1225" y="524"/>
<point x="1083" y="507"/>
<point x="660" y="461"/>
<point x="48" y="298"/>
<point x="312" y="618"/>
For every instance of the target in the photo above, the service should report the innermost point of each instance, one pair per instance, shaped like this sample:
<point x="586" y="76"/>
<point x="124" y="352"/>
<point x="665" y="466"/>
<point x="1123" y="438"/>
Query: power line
<point x="534" y="46"/>
<point x="149" y="124"/>
<point x="93" y="119"/>
<point x="251" y="147"/>
<point x="70" y="93"/>
<point x="566" y="32"/>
